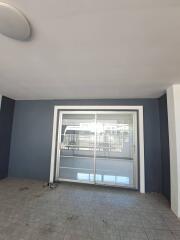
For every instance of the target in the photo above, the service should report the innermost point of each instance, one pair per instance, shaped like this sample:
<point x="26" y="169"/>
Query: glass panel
<point x="103" y="143"/>
<point x="115" y="149"/>
<point x="77" y="147"/>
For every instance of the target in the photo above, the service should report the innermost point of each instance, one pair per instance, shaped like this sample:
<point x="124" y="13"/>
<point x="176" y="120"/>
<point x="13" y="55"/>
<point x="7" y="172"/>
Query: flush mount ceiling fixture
<point x="13" y="23"/>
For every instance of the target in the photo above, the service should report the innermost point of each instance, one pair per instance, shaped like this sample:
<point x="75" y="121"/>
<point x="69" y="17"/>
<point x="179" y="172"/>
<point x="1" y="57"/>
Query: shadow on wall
<point x="6" y="119"/>
<point x="165" y="156"/>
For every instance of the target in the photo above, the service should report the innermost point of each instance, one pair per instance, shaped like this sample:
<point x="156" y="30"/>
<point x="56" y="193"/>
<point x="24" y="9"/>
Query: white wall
<point x="173" y="101"/>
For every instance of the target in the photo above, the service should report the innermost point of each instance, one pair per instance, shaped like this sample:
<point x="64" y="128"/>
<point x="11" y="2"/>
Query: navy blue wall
<point x="6" y="118"/>
<point x="164" y="146"/>
<point x="32" y="136"/>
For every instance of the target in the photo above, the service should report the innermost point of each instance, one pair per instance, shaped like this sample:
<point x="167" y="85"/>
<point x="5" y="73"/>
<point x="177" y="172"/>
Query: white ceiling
<point x="93" y="49"/>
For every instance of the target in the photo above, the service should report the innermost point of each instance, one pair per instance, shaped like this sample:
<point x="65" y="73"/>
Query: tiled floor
<point x="31" y="211"/>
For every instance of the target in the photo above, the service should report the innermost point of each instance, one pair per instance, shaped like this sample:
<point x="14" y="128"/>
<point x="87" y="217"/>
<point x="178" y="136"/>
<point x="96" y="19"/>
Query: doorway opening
<point x="97" y="147"/>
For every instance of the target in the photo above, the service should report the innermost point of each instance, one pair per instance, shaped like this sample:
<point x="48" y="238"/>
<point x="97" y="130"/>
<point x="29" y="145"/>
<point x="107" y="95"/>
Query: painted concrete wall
<point x="6" y="118"/>
<point x="0" y="101"/>
<point x="173" y="96"/>
<point x="165" y="156"/>
<point x="32" y="137"/>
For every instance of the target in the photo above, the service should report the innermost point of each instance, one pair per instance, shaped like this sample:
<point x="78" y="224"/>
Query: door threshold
<point x="95" y="184"/>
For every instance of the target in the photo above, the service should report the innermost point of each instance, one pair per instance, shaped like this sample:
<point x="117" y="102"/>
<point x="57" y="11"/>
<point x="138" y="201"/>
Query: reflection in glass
<point x="99" y="148"/>
<point x="77" y="147"/>
<point x="114" y="148"/>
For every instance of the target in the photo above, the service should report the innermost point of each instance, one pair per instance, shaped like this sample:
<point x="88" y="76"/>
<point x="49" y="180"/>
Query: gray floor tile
<point x="29" y="210"/>
<point x="176" y="234"/>
<point x="159" y="235"/>
<point x="171" y="220"/>
<point x="128" y="235"/>
<point x="153" y="220"/>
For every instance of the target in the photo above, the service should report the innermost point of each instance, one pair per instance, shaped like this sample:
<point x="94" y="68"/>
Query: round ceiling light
<point x="13" y="23"/>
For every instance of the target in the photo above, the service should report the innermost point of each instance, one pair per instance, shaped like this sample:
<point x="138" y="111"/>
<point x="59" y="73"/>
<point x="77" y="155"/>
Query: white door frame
<point x="140" y="133"/>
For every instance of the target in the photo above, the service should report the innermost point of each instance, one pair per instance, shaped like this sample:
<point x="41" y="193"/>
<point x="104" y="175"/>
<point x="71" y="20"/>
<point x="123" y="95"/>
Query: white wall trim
<point x="53" y="149"/>
<point x="173" y="103"/>
<point x="109" y="107"/>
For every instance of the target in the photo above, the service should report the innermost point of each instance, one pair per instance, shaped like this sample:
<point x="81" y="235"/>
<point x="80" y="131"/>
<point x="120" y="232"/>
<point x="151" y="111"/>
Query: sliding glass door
<point x="116" y="161"/>
<point x="98" y="147"/>
<point x="76" y="147"/>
